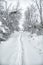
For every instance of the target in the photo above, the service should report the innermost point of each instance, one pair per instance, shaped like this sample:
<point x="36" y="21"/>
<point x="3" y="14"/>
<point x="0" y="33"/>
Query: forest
<point x="9" y="20"/>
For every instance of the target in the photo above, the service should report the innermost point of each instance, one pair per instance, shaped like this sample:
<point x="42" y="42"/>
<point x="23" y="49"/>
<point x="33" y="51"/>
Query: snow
<point x="0" y="23"/>
<point x="31" y="50"/>
<point x="11" y="50"/>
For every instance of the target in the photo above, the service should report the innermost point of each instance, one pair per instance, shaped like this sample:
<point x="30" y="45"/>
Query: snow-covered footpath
<point x="11" y="50"/>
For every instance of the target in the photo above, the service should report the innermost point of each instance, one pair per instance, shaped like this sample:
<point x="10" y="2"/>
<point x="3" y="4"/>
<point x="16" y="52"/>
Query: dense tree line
<point x="34" y="17"/>
<point x="33" y="22"/>
<point x="9" y="21"/>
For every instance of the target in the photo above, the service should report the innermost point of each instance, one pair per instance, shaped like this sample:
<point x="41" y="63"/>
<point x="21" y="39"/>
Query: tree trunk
<point x="41" y="12"/>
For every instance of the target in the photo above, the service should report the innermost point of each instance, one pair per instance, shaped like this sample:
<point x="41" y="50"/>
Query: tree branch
<point x="37" y="5"/>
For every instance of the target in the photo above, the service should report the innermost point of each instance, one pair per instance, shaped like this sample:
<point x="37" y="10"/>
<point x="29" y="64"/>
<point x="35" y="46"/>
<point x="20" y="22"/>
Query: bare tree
<point x="27" y="19"/>
<point x="39" y="9"/>
<point x="33" y="17"/>
<point x="39" y="4"/>
<point x="10" y="21"/>
<point x="15" y="16"/>
<point x="30" y="19"/>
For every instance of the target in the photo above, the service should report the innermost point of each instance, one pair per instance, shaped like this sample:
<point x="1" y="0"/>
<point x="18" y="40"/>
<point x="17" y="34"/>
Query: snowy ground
<point x="11" y="50"/>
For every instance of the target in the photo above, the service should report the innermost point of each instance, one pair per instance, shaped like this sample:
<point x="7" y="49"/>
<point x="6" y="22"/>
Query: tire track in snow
<point x="22" y="48"/>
